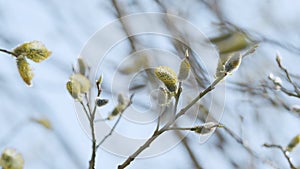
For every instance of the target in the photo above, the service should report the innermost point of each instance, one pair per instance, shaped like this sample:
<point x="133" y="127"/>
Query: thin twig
<point x="278" y="60"/>
<point x="189" y="150"/>
<point x="162" y="130"/>
<point x="116" y="123"/>
<point x="244" y="145"/>
<point x="8" y="52"/>
<point x="285" y="153"/>
<point x="87" y="113"/>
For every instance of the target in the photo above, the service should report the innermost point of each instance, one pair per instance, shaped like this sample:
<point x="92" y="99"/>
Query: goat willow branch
<point x="116" y="123"/>
<point x="285" y="153"/>
<point x="156" y="134"/>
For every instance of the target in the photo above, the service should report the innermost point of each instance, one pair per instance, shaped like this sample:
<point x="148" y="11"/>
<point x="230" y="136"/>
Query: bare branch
<point x="116" y="123"/>
<point x="285" y="153"/>
<point x="165" y="128"/>
<point x="296" y="89"/>
<point x="189" y="150"/>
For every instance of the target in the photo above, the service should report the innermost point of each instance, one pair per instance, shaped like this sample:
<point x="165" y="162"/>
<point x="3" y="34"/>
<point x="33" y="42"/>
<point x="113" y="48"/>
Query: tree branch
<point x="285" y="153"/>
<point x="165" y="128"/>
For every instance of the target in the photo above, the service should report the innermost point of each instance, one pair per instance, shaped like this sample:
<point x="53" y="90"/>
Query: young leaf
<point x="34" y="50"/>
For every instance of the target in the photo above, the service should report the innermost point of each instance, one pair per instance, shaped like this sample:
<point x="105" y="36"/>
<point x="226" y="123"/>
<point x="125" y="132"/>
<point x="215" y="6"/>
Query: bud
<point x="206" y="128"/>
<point x="35" y="51"/>
<point x="294" y="142"/>
<point x="74" y="89"/>
<point x="167" y="76"/>
<point x="11" y="159"/>
<point x="83" y="68"/>
<point x="296" y="108"/>
<point x="233" y="63"/>
<point x="43" y="122"/>
<point x="184" y="70"/>
<point x="122" y="104"/>
<point x="101" y="102"/>
<point x="24" y="70"/>
<point x="83" y="81"/>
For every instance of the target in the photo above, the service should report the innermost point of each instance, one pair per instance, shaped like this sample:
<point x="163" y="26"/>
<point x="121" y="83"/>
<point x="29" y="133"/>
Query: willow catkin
<point x="167" y="76"/>
<point x="184" y="70"/>
<point x="233" y="63"/>
<point x="34" y="50"/>
<point x="11" y="159"/>
<point x="24" y="70"/>
<point x="294" y="142"/>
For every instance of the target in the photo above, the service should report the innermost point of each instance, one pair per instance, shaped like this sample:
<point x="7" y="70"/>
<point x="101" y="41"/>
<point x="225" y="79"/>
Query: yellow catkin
<point x="84" y="82"/>
<point x="24" y="70"/>
<point x="44" y="122"/>
<point x="295" y="141"/>
<point x="74" y="88"/>
<point x="167" y="76"/>
<point x="35" y="51"/>
<point x="11" y="159"/>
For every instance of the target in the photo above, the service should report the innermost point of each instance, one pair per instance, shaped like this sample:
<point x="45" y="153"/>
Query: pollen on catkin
<point x="24" y="70"/>
<point x="167" y="76"/>
<point x="11" y="159"/>
<point x="34" y="50"/>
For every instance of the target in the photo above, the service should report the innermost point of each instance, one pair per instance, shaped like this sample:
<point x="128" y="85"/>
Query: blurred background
<point x="255" y="110"/>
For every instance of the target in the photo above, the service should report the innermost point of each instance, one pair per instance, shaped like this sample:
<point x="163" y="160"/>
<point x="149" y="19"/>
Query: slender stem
<point x="87" y="113"/>
<point x="177" y="96"/>
<point x="180" y="128"/>
<point x="165" y="128"/>
<point x="115" y="125"/>
<point x="92" y="161"/>
<point x="158" y="118"/>
<point x="278" y="60"/>
<point x="247" y="148"/>
<point x="87" y="102"/>
<point x="201" y="94"/>
<point x="285" y="153"/>
<point x="189" y="150"/>
<point x="94" y="141"/>
<point x="8" y="52"/>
